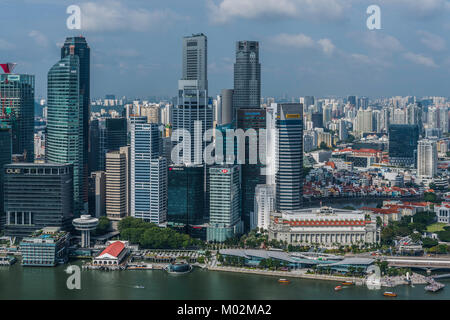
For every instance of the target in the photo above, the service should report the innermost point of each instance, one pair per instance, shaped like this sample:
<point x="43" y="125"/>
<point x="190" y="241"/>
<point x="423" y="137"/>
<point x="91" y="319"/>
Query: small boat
<point x="347" y="283"/>
<point x="139" y="287"/>
<point x="389" y="294"/>
<point x="283" y="281"/>
<point x="338" y="288"/>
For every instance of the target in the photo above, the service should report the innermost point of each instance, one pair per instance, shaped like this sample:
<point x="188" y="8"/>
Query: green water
<point x="17" y="282"/>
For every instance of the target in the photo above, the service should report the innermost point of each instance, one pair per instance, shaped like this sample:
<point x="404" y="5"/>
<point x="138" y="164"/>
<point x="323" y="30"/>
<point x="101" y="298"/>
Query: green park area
<point x="436" y="227"/>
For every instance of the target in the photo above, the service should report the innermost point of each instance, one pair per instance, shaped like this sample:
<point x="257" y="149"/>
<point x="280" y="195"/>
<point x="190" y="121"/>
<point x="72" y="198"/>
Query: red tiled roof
<point x="113" y="249"/>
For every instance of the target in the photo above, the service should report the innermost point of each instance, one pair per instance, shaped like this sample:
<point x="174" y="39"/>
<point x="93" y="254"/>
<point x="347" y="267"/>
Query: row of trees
<point x="150" y="236"/>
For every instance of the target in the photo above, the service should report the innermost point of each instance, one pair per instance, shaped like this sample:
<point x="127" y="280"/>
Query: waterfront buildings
<point x="289" y="156"/>
<point x="264" y="205"/>
<point x="247" y="76"/>
<point x="403" y="144"/>
<point x="65" y="138"/>
<point x="116" y="195"/>
<point x="37" y="196"/>
<point x="17" y="112"/>
<point x="148" y="175"/>
<point x="224" y="207"/>
<point x="427" y="159"/>
<point x="326" y="227"/>
<point x="112" y="255"/>
<point x="45" y="248"/>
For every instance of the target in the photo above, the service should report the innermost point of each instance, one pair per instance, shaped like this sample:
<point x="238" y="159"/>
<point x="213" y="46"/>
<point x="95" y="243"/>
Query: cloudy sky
<point x="308" y="47"/>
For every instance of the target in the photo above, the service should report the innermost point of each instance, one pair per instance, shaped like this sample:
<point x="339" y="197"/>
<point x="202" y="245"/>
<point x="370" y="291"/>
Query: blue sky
<point x="308" y="47"/>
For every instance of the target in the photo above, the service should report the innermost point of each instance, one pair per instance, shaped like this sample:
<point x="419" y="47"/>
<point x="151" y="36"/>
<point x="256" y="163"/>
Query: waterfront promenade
<point x="292" y="274"/>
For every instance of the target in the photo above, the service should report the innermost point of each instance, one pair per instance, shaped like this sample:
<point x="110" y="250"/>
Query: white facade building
<point x="264" y="205"/>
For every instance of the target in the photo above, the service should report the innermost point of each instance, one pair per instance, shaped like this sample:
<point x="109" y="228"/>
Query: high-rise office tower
<point x="195" y="60"/>
<point x="247" y="76"/>
<point x="251" y="121"/>
<point x="106" y="134"/>
<point x="17" y="111"/>
<point x="194" y="111"/>
<point x="264" y="205"/>
<point x="289" y="156"/>
<point x="116" y="184"/>
<point x="5" y="158"/>
<point x="148" y="174"/>
<point x="186" y="203"/>
<point x="427" y="159"/>
<point x="97" y="194"/>
<point x="79" y="47"/>
<point x="65" y="138"/>
<point x="343" y="132"/>
<point x="403" y="144"/>
<point x="37" y="196"/>
<point x="225" y="221"/>
<point x="352" y="100"/>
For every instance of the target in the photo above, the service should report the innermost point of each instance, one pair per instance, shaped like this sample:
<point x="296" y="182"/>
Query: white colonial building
<point x="324" y="226"/>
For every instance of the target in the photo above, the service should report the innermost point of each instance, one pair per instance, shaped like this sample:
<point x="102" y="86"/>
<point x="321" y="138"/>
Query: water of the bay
<point x="17" y="282"/>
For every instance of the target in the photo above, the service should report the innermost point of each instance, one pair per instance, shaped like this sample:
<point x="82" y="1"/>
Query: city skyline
<point x="327" y="50"/>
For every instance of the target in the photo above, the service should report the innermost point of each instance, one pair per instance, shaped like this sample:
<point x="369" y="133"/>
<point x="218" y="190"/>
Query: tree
<point x="428" y="242"/>
<point x="103" y="226"/>
<point x="324" y="146"/>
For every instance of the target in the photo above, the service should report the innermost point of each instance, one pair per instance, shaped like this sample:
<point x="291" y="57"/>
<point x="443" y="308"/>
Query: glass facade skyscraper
<point x="17" y="111"/>
<point x="65" y="139"/>
<point x="186" y="203"/>
<point x="78" y="46"/>
<point x="289" y="156"/>
<point x="403" y="140"/>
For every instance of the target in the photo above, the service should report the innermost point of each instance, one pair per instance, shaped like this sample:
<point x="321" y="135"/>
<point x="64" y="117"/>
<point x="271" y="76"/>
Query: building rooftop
<point x="114" y="249"/>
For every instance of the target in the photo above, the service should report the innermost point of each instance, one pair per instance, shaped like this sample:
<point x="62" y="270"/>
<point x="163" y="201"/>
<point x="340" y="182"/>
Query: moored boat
<point x="338" y="288"/>
<point x="347" y="283"/>
<point x="283" y="281"/>
<point x="389" y="294"/>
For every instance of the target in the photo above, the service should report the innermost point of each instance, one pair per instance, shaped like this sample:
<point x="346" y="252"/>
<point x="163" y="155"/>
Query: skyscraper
<point x="227" y="107"/>
<point x="250" y="121"/>
<point x="225" y="221"/>
<point x="78" y="46"/>
<point x="65" y="139"/>
<point x="247" y="76"/>
<point x="17" y="111"/>
<point x="186" y="203"/>
<point x="289" y="156"/>
<point x="264" y="205"/>
<point x="148" y="175"/>
<point x="403" y="144"/>
<point x="106" y="134"/>
<point x="195" y="60"/>
<point x="193" y="111"/>
<point x="427" y="159"/>
<point x="116" y="184"/>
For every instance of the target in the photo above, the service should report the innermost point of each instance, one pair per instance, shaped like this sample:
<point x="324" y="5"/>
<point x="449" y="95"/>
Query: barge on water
<point x="7" y="260"/>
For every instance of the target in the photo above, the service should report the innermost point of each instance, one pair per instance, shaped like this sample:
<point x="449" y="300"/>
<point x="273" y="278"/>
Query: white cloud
<point x="40" y="39"/>
<point x="432" y="41"/>
<point x="227" y="10"/>
<point x="420" y="59"/>
<point x="302" y="41"/>
<point x="382" y="42"/>
<point x="114" y="16"/>
<point x="327" y="46"/>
